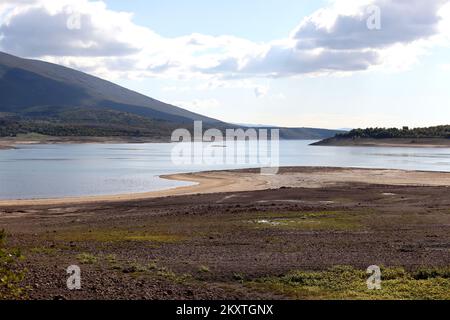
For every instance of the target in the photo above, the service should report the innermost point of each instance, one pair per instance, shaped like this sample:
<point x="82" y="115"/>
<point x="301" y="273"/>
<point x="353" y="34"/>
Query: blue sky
<point x="250" y="19"/>
<point x="288" y="63"/>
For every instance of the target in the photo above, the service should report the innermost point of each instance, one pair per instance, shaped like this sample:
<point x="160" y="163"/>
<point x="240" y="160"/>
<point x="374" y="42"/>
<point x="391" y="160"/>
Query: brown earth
<point x="208" y="246"/>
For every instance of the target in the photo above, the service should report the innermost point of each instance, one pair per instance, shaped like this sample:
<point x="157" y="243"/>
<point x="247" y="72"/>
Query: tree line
<point x="405" y="132"/>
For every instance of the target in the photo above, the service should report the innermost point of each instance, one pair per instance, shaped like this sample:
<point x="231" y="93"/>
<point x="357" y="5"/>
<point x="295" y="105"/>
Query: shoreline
<point x="388" y="143"/>
<point x="204" y="183"/>
<point x="244" y="180"/>
<point x="12" y="143"/>
<point x="6" y="146"/>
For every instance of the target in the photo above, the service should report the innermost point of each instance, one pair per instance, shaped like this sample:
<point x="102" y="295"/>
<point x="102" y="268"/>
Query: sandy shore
<point x="4" y="145"/>
<point x="12" y="142"/>
<point x="252" y="180"/>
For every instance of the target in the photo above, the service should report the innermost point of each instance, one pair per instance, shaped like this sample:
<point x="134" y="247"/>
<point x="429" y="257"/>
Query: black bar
<point x="225" y="309"/>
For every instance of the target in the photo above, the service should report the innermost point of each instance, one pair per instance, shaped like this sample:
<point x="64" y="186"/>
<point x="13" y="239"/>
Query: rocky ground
<point x="229" y="245"/>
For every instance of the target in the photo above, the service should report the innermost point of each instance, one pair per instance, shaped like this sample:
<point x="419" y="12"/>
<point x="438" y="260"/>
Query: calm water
<point x="49" y="171"/>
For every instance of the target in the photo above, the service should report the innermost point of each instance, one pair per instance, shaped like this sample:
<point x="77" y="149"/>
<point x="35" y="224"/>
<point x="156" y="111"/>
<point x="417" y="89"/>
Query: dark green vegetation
<point x="48" y="99"/>
<point x="10" y="278"/>
<point x="384" y="133"/>
<point x="431" y="136"/>
<point x="87" y="123"/>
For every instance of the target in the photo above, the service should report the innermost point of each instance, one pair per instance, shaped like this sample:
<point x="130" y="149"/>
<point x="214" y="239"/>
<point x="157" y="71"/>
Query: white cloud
<point x="44" y="29"/>
<point x="402" y="21"/>
<point x="333" y="40"/>
<point x="337" y="39"/>
<point x="198" y="104"/>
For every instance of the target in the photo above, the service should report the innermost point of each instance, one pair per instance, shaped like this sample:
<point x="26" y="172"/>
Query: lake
<point x="53" y="171"/>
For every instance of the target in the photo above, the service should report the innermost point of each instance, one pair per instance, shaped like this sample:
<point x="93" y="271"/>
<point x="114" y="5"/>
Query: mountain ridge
<point x="103" y="90"/>
<point x="50" y="99"/>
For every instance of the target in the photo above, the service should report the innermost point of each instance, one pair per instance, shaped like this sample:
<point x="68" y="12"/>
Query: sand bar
<point x="251" y="180"/>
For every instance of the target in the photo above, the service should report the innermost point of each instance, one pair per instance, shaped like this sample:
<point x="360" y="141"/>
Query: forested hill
<point x="384" y="133"/>
<point x="438" y="136"/>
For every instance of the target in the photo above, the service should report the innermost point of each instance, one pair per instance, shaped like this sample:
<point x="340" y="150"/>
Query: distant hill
<point x="44" y="98"/>
<point x="430" y="136"/>
<point x="405" y="132"/>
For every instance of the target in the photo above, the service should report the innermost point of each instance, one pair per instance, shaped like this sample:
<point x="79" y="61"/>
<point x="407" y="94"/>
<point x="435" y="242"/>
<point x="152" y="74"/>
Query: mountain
<point x="37" y="96"/>
<point x="45" y="98"/>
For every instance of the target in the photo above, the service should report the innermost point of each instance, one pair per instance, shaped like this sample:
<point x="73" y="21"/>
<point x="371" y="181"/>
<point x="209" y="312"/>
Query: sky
<point x="295" y="63"/>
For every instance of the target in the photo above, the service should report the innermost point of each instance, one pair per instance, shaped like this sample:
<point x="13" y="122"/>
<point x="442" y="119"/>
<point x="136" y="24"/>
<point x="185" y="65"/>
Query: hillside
<point x="48" y="99"/>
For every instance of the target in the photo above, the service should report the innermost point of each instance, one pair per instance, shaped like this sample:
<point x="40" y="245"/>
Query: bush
<point x="10" y="278"/>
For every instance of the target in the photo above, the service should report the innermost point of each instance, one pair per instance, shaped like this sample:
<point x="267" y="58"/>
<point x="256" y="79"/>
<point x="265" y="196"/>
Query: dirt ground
<point x="214" y="245"/>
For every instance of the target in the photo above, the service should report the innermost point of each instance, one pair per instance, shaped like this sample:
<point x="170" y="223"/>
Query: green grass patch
<point x="87" y="258"/>
<point x="347" y="283"/>
<point x="101" y="235"/>
<point x="44" y="250"/>
<point x="31" y="136"/>
<point x="152" y="269"/>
